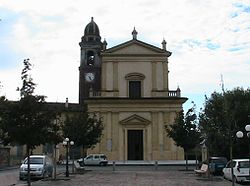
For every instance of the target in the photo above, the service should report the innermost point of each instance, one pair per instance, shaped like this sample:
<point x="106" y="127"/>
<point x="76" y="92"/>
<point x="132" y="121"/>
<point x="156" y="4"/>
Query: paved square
<point x="136" y="178"/>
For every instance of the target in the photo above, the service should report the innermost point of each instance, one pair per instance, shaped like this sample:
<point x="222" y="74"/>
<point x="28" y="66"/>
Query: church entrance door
<point x="135" y="144"/>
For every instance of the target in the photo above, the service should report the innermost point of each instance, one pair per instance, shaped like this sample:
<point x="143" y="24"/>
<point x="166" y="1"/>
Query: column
<point x="165" y="75"/>
<point x="109" y="131"/>
<point x="160" y="131"/>
<point x="115" y="78"/>
<point x="155" y="138"/>
<point x="154" y="88"/>
<point x="115" y="131"/>
<point x="104" y="77"/>
<point x="149" y="143"/>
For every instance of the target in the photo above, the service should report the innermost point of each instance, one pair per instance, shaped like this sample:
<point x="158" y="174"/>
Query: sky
<point x="209" y="41"/>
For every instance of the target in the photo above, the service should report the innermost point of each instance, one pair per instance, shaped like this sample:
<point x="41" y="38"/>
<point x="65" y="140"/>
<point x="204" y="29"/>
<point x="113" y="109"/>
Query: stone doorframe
<point x="136" y="122"/>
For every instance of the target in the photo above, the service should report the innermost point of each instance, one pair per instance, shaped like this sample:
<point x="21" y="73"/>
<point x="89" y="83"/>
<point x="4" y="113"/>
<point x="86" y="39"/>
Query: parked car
<point x="94" y="159"/>
<point x="240" y="170"/>
<point x="41" y="166"/>
<point x="216" y="164"/>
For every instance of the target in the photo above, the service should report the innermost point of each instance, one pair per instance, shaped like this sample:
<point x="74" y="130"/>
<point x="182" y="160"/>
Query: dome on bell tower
<point x="92" y="28"/>
<point x="91" y="33"/>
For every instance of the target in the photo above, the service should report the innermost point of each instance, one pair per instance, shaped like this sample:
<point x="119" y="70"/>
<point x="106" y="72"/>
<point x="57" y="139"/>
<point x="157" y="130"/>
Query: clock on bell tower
<point x="90" y="63"/>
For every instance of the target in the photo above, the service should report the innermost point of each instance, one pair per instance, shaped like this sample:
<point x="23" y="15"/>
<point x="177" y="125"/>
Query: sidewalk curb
<point x="9" y="168"/>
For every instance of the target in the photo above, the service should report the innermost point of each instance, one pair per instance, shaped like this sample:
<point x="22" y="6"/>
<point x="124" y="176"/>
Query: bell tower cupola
<point x="91" y="44"/>
<point x="91" y="32"/>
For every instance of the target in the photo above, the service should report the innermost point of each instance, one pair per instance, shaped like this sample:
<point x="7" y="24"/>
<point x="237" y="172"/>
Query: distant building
<point x="127" y="85"/>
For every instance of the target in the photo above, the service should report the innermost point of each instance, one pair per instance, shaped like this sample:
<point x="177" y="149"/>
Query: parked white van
<point x="94" y="159"/>
<point x="41" y="166"/>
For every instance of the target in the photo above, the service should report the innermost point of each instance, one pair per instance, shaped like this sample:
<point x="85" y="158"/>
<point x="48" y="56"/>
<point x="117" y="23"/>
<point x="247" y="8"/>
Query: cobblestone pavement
<point x="135" y="178"/>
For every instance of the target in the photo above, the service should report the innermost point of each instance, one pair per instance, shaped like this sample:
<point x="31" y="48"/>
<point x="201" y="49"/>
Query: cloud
<point x="207" y="38"/>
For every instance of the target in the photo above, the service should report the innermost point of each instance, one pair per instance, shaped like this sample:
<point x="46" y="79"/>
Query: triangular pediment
<point x="135" y="119"/>
<point x="136" y="47"/>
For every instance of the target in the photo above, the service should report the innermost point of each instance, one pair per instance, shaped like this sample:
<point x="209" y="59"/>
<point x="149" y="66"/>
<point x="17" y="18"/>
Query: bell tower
<point x="90" y="63"/>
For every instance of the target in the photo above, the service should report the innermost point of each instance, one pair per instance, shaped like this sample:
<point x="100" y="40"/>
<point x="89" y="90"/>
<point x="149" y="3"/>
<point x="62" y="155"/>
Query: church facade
<point x="127" y="85"/>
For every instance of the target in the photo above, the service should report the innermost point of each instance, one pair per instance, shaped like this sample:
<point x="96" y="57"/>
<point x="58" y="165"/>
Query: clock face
<point x="89" y="77"/>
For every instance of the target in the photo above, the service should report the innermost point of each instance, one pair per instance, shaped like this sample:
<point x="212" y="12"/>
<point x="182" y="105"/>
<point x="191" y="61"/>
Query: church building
<point x="127" y="85"/>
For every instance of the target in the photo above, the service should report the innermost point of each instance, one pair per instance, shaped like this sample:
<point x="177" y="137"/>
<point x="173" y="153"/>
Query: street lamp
<point x="240" y="134"/>
<point x="67" y="144"/>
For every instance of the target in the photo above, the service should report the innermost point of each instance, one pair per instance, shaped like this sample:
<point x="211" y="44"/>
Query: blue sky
<point x="207" y="38"/>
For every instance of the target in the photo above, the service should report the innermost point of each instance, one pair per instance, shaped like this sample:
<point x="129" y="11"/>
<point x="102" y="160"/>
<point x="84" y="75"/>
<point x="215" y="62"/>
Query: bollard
<point x="113" y="166"/>
<point x="156" y="165"/>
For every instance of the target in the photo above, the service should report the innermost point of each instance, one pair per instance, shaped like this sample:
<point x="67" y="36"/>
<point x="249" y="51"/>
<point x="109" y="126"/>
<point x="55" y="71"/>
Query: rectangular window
<point x="134" y="89"/>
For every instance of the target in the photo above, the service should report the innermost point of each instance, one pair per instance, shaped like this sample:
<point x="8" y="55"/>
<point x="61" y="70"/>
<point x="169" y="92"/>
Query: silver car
<point x="240" y="170"/>
<point x="41" y="166"/>
<point x="94" y="159"/>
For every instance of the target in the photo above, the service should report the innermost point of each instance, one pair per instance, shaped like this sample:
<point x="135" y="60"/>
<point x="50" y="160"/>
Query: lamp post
<point x="67" y="144"/>
<point x="240" y="134"/>
<point x="73" y="160"/>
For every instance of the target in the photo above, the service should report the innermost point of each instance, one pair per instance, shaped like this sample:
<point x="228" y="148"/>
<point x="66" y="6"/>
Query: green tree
<point x="184" y="131"/>
<point x="223" y="115"/>
<point x="28" y="121"/>
<point x="83" y="129"/>
<point x="3" y="107"/>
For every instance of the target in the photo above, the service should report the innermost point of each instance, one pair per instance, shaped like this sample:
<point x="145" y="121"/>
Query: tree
<point x="184" y="131"/>
<point x="84" y="130"/>
<point x="3" y="107"/>
<point x="28" y="121"/>
<point x="223" y="115"/>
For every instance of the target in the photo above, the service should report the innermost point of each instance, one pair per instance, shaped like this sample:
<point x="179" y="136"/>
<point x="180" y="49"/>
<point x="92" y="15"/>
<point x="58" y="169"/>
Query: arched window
<point x="90" y="58"/>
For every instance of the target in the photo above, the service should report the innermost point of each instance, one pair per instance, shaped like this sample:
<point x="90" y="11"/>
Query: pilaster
<point x="154" y="88"/>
